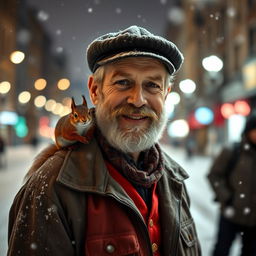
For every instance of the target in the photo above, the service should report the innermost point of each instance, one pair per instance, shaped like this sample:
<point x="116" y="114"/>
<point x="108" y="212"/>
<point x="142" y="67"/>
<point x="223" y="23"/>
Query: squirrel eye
<point x="75" y="115"/>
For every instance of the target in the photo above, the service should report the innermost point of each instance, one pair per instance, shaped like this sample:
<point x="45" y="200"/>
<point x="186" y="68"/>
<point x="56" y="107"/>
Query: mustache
<point x="129" y="109"/>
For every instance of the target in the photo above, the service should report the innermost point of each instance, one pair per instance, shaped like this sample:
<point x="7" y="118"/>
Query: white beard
<point x="131" y="140"/>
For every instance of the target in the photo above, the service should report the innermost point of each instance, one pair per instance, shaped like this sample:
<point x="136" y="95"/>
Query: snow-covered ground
<point x="204" y="211"/>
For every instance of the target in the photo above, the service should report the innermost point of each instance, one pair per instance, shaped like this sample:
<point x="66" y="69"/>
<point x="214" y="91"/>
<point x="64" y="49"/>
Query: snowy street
<point x="204" y="211"/>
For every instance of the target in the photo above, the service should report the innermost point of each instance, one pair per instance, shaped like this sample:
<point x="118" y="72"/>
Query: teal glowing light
<point x="204" y="115"/>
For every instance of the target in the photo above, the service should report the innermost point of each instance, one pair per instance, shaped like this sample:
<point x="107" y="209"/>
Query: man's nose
<point x="137" y="97"/>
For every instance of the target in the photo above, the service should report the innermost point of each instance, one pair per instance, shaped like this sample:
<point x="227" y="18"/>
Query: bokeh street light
<point x="172" y="99"/>
<point x="212" y="63"/>
<point x="40" y="101"/>
<point x="40" y="84"/>
<point x="50" y="104"/>
<point x="5" y="87"/>
<point x="187" y="86"/>
<point x="17" y="57"/>
<point x="178" y="128"/>
<point x="24" y="97"/>
<point x="63" y="84"/>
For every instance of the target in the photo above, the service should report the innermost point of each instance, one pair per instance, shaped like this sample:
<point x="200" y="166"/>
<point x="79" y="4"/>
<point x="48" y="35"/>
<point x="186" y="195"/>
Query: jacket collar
<point x="84" y="169"/>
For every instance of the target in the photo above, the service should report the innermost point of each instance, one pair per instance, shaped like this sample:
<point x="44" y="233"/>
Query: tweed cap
<point x="133" y="42"/>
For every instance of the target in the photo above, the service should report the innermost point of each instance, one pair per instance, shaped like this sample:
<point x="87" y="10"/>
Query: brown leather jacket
<point x="72" y="206"/>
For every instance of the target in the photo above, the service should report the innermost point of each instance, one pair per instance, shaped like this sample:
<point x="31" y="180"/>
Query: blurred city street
<point x="19" y="159"/>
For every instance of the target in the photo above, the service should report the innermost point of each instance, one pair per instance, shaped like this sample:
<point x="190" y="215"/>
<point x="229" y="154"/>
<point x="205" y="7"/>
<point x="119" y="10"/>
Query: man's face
<point x="130" y="103"/>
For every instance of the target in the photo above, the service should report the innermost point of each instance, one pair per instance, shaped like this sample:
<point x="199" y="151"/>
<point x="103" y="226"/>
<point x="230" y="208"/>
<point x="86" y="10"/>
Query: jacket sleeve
<point x="37" y="225"/>
<point x="218" y="177"/>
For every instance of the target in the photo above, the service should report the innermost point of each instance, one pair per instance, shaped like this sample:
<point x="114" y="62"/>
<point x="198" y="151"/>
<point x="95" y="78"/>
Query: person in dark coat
<point x="2" y="152"/>
<point x="233" y="179"/>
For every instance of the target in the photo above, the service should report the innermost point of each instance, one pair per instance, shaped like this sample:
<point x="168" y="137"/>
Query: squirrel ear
<point x="84" y="101"/>
<point x="73" y="104"/>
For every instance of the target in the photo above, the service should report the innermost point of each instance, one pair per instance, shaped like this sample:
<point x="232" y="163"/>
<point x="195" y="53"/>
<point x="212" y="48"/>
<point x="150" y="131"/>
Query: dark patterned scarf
<point x="148" y="170"/>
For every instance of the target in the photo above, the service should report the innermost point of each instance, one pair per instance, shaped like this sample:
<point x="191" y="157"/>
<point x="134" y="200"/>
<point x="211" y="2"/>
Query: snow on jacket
<point x="50" y="213"/>
<point x="235" y="189"/>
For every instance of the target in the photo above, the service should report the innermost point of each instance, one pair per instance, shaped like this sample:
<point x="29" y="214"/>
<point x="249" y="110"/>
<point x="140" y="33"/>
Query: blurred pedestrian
<point x="2" y="153"/>
<point x="190" y="147"/>
<point x="233" y="179"/>
<point x="120" y="194"/>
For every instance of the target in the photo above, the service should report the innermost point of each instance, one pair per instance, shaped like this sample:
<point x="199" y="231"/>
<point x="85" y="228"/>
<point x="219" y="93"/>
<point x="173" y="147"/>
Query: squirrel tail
<point x="40" y="159"/>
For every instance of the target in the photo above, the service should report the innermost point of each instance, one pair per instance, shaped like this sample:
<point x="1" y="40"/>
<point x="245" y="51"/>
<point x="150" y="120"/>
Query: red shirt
<point x="151" y="218"/>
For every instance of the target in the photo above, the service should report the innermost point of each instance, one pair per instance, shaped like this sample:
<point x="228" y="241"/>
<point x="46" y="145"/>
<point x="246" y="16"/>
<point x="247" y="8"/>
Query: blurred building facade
<point x="226" y="29"/>
<point x="20" y="29"/>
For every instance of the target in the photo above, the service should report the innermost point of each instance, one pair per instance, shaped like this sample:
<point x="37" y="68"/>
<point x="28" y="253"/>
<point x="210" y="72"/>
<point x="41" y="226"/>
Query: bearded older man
<point x="120" y="194"/>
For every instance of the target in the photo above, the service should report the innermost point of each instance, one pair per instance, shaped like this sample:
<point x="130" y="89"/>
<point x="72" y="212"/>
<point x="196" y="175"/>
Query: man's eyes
<point x="148" y="85"/>
<point x="124" y="82"/>
<point x="153" y="85"/>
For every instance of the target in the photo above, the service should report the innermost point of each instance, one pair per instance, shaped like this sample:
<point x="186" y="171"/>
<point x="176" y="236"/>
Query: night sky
<point x="73" y="24"/>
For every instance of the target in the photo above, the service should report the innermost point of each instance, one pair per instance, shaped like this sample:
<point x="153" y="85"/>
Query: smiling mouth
<point x="133" y="117"/>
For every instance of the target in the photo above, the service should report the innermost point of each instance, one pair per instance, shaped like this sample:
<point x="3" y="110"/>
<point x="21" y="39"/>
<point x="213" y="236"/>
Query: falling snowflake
<point x="89" y="156"/>
<point x="217" y="16"/>
<point x="118" y="10"/>
<point x="33" y="246"/>
<point x="59" y="49"/>
<point x="163" y="2"/>
<point x="43" y="16"/>
<point x="90" y="10"/>
<point x="176" y="15"/>
<point x="220" y="40"/>
<point x="247" y="210"/>
<point x="240" y="182"/>
<point x="231" y="12"/>
<point x="246" y="146"/>
<point x="242" y="195"/>
<point x="58" y="32"/>
<point x="216" y="184"/>
<point x="229" y="212"/>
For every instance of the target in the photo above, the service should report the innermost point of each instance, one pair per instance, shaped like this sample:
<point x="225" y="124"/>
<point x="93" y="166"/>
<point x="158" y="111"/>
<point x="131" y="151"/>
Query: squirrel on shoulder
<point x="76" y="126"/>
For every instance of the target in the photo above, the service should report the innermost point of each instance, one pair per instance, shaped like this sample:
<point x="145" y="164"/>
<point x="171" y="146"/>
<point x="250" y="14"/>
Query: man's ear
<point x="93" y="90"/>
<point x="168" y="91"/>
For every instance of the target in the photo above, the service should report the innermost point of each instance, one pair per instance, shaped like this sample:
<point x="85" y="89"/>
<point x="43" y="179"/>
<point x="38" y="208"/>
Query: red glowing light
<point x="227" y="110"/>
<point x="242" y="107"/>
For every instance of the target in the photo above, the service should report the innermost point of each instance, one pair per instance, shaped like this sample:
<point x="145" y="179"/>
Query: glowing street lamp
<point x="24" y="97"/>
<point x="17" y="57"/>
<point x="63" y="84"/>
<point x="187" y="86"/>
<point x="40" y="84"/>
<point x="212" y="63"/>
<point x="5" y="87"/>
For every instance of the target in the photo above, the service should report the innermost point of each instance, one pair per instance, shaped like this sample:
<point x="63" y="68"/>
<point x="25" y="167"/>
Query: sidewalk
<point x="19" y="159"/>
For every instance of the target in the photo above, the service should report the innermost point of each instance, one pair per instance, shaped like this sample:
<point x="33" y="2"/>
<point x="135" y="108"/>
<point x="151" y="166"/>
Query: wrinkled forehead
<point x="143" y="66"/>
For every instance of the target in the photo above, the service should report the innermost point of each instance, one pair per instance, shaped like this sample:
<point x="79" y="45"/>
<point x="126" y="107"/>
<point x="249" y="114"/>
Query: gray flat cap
<point x="133" y="42"/>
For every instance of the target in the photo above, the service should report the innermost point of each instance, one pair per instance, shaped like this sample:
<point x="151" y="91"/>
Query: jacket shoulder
<point x="173" y="168"/>
<point x="47" y="164"/>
